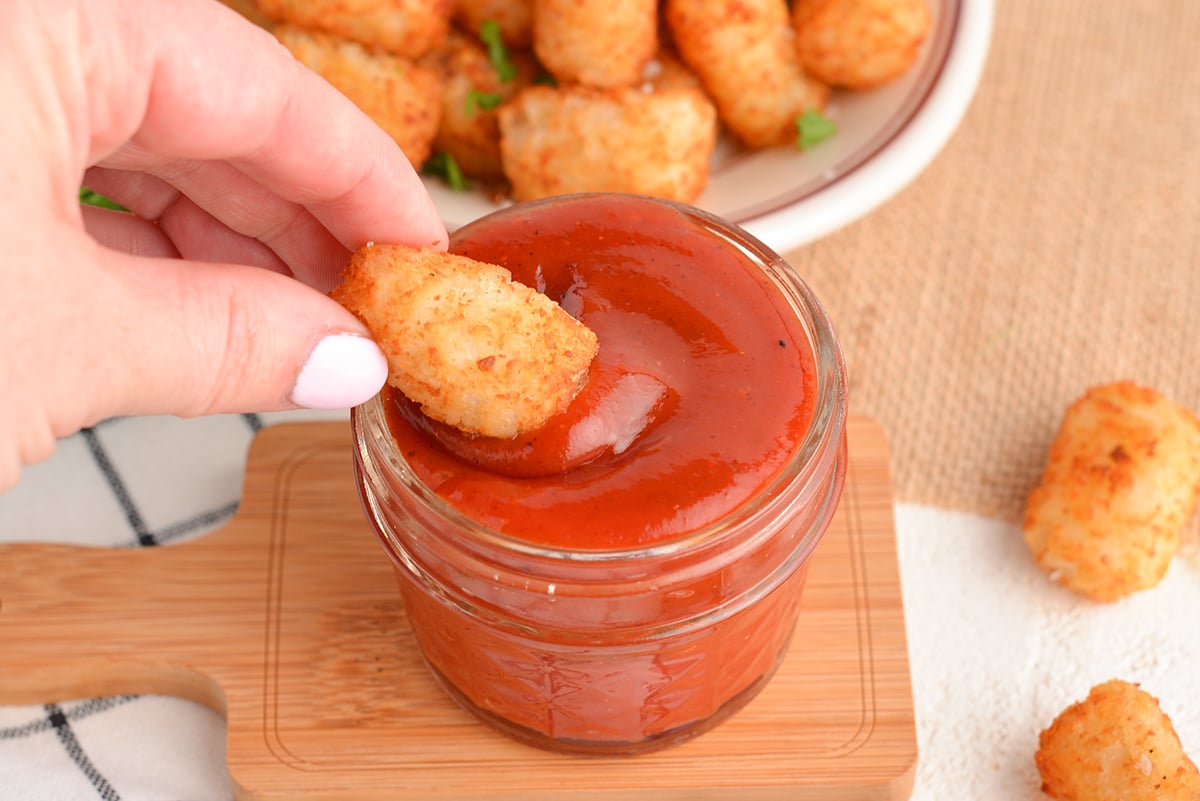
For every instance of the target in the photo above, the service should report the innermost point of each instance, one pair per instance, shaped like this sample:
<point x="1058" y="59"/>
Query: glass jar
<point x="622" y="650"/>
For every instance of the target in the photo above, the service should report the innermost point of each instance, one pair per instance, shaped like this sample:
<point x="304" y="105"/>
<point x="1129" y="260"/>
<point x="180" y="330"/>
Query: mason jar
<point x="599" y="637"/>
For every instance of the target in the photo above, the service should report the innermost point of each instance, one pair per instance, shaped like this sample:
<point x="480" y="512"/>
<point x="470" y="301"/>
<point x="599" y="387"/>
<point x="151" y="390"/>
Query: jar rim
<point x="816" y="453"/>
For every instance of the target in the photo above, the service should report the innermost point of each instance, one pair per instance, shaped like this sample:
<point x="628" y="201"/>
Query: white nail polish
<point x="343" y="370"/>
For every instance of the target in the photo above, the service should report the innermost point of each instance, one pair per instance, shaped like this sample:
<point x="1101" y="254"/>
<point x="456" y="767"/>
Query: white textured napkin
<point x="996" y="650"/>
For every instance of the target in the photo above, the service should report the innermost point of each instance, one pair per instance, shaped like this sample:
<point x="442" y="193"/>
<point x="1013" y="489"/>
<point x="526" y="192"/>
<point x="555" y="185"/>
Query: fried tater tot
<point x="402" y="97"/>
<point x="744" y="53"/>
<point x="859" y="44"/>
<point x="1120" y="484"/>
<point x="1116" y="745"/>
<point x="469" y="130"/>
<point x="514" y="18"/>
<point x="574" y="139"/>
<point x="601" y="43"/>
<point x="473" y="348"/>
<point x="667" y="71"/>
<point x="408" y="28"/>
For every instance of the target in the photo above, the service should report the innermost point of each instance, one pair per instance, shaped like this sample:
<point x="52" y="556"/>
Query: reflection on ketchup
<point x="629" y="575"/>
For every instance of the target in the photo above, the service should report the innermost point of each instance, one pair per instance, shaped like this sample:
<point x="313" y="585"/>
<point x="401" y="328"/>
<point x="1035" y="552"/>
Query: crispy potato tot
<point x="575" y="139"/>
<point x="469" y="130"/>
<point x="403" y="97"/>
<point x="515" y="18"/>
<point x="1116" y="745"/>
<point x="744" y="53"/>
<point x="249" y="10"/>
<point x="859" y="44"/>
<point x="408" y="28"/>
<point x="1121" y="481"/>
<point x="667" y="71"/>
<point x="601" y="43"/>
<point x="473" y="348"/>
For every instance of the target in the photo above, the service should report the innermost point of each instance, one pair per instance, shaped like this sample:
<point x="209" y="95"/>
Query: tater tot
<point x="408" y="28"/>
<point x="744" y="53"/>
<point x="574" y="139"/>
<point x="402" y="97"/>
<point x="514" y="18"/>
<point x="601" y="43"/>
<point x="473" y="348"/>
<point x="469" y="130"/>
<point x="1116" y="745"/>
<point x="1120" y="484"/>
<point x="859" y="44"/>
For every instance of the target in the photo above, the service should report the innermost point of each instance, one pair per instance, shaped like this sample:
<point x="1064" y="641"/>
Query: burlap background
<point x="1054" y="244"/>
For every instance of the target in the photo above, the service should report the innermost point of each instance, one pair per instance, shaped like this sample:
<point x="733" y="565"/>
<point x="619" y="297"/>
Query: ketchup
<point x="706" y="341"/>
<point x="630" y="575"/>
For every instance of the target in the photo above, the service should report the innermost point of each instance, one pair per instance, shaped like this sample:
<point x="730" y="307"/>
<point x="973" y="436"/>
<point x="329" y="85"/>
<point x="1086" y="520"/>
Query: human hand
<point x="250" y="181"/>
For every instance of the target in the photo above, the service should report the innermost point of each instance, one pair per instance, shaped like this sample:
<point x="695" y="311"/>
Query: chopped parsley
<point x="489" y="34"/>
<point x="813" y="128"/>
<point x="444" y="166"/>
<point x="478" y="99"/>
<point x="96" y="199"/>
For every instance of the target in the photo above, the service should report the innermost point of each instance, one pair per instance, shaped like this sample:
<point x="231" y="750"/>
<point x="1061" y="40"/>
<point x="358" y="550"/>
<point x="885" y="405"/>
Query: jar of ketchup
<point x="629" y="576"/>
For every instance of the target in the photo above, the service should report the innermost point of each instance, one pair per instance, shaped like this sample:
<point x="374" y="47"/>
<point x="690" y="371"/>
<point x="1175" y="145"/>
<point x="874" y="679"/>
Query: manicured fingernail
<point x="343" y="370"/>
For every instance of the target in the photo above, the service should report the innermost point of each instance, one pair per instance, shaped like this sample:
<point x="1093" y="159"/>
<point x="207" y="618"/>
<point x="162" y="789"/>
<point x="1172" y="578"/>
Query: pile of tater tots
<point x="530" y="98"/>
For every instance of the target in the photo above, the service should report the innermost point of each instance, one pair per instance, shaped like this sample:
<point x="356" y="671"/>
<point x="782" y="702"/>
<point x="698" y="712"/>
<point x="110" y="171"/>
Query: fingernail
<point x="343" y="370"/>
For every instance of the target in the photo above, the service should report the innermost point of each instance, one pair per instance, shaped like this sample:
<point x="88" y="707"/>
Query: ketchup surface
<point x="705" y="381"/>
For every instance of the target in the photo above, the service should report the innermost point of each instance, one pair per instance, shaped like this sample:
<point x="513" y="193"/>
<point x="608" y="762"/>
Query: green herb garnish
<point x="96" y="199"/>
<point x="444" y="166"/>
<point x="489" y="34"/>
<point x="478" y="99"/>
<point x="813" y="128"/>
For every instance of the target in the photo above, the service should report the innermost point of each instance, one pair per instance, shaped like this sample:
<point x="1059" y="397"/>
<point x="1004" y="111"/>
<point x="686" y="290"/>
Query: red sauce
<point x="692" y="336"/>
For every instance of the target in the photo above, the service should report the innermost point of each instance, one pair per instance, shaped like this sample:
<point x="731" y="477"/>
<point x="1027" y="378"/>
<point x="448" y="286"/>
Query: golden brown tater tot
<point x="859" y="44"/>
<point x="475" y="349"/>
<point x="408" y="28"/>
<point x="1121" y="481"/>
<point x="745" y="55"/>
<point x="469" y="130"/>
<point x="1116" y="745"/>
<point x="601" y="43"/>
<point x="576" y="139"/>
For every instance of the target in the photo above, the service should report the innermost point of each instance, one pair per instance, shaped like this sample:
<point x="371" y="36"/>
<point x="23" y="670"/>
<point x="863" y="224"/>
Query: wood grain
<point x="288" y="622"/>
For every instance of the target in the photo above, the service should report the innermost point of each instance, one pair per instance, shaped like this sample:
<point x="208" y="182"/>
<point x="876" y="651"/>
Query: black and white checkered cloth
<point x="127" y="483"/>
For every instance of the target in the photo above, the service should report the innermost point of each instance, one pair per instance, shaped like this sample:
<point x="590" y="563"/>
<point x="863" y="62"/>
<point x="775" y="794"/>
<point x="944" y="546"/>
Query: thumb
<point x="201" y="338"/>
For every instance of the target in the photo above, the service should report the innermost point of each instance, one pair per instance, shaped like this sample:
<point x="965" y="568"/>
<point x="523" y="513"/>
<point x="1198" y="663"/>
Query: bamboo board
<point x="288" y="622"/>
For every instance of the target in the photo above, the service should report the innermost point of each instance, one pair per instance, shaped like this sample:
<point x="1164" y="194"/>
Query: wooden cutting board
<point x="288" y="622"/>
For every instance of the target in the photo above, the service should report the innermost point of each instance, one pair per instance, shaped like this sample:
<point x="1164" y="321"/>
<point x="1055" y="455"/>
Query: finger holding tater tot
<point x="859" y="44"/>
<point x="1115" y="745"/>
<point x="744" y="53"/>
<point x="1120" y="483"/>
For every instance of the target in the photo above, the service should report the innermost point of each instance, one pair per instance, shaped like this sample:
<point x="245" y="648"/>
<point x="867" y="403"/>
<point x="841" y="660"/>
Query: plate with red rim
<point x="885" y="138"/>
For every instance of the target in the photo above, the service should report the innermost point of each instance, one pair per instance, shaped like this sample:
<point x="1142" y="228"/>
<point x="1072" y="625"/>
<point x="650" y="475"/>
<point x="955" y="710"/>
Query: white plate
<point x="885" y="138"/>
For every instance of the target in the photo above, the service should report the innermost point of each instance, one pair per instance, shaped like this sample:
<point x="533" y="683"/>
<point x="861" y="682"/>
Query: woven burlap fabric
<point x="1054" y="244"/>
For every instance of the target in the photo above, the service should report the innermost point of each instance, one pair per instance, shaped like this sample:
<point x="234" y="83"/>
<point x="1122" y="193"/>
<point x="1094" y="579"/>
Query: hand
<point x="250" y="181"/>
